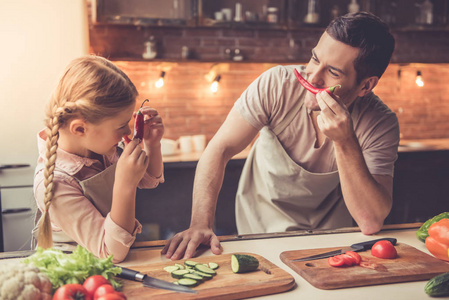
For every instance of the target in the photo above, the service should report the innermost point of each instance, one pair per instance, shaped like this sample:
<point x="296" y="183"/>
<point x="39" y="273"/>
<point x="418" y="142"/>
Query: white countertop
<point x="272" y="248"/>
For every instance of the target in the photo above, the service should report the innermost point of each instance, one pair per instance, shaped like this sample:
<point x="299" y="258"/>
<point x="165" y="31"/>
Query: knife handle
<point x="367" y="245"/>
<point x="131" y="274"/>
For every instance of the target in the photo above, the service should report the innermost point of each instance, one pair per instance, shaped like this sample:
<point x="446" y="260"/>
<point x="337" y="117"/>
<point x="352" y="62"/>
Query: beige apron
<point x="275" y="194"/>
<point x="98" y="189"/>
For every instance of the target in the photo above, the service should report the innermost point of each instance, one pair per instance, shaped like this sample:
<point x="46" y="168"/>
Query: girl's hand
<point x="132" y="164"/>
<point x="153" y="127"/>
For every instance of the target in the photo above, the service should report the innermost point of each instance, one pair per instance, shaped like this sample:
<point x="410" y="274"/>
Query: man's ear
<point x="367" y="85"/>
<point x="77" y="127"/>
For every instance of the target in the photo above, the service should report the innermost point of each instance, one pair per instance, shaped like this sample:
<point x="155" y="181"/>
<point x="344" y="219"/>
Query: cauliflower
<point x="23" y="282"/>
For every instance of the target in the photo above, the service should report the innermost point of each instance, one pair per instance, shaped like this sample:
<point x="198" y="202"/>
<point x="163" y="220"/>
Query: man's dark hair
<point x="371" y="35"/>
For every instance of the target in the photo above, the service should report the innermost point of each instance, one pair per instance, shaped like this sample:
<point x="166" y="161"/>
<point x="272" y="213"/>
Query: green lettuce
<point x="76" y="267"/>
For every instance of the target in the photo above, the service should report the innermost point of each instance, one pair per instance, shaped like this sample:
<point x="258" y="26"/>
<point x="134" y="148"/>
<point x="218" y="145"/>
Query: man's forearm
<point x="368" y="201"/>
<point x="208" y="181"/>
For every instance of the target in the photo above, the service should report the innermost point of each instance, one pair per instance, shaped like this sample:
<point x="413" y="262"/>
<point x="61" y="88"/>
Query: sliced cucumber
<point x="190" y="263"/>
<point x="187" y="282"/>
<point x="170" y="269"/>
<point x="179" y="273"/>
<point x="180" y="267"/>
<point x="194" y="276"/>
<point x="241" y="263"/>
<point x="213" y="265"/>
<point x="204" y="275"/>
<point x="204" y="269"/>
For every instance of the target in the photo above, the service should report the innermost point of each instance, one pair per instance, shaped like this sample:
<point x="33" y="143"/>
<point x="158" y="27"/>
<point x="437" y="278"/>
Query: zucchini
<point x="438" y="285"/>
<point x="204" y="269"/>
<point x="187" y="282"/>
<point x="194" y="276"/>
<point x="190" y="263"/>
<point x="241" y="263"/>
<point x="180" y="267"/>
<point x="204" y="275"/>
<point x="170" y="269"/>
<point x="213" y="265"/>
<point x="179" y="273"/>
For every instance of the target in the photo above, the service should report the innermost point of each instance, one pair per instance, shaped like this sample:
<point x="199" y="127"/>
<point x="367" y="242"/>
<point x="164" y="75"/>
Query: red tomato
<point x="357" y="258"/>
<point x="71" y="291"/>
<point x="336" y="261"/>
<point x="113" y="296"/>
<point x="384" y="249"/>
<point x="93" y="282"/>
<point x="103" y="290"/>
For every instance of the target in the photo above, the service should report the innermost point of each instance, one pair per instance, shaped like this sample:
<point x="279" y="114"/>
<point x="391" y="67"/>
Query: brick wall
<point x="189" y="107"/>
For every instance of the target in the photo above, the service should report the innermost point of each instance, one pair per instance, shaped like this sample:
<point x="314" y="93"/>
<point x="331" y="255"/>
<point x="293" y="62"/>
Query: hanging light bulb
<point x="214" y="85"/>
<point x="160" y="82"/>
<point x="419" y="81"/>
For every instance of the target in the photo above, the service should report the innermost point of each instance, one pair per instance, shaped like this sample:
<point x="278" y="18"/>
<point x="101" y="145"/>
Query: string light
<point x="214" y="85"/>
<point x="160" y="82"/>
<point x="419" y="81"/>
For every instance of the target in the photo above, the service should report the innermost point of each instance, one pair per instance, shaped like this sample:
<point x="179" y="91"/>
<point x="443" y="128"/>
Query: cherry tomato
<point x="71" y="291"/>
<point x="93" y="282"/>
<point x="103" y="290"/>
<point x="384" y="249"/>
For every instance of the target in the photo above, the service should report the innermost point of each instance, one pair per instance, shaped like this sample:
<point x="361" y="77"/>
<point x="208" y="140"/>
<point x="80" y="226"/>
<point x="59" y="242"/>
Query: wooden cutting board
<point x="268" y="279"/>
<point x="410" y="265"/>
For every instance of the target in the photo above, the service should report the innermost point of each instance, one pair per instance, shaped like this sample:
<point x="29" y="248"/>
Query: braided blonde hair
<point x="91" y="88"/>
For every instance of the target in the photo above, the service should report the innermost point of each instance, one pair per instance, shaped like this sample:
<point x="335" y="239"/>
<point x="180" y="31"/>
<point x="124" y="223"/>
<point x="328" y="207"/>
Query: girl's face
<point x="102" y="138"/>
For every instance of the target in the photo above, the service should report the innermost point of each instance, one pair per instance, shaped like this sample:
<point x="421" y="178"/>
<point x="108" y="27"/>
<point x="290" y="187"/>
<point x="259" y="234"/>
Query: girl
<point x="86" y="193"/>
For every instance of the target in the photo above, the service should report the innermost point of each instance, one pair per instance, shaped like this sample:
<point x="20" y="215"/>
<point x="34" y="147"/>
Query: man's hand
<point x="334" y="120"/>
<point x="184" y="244"/>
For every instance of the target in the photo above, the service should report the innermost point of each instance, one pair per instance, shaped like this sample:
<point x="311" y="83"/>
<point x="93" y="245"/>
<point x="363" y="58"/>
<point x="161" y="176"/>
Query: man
<point x="320" y="160"/>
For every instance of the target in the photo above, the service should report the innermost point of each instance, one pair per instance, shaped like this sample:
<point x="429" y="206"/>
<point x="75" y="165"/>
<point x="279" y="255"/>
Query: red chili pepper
<point x="313" y="89"/>
<point x="138" y="124"/>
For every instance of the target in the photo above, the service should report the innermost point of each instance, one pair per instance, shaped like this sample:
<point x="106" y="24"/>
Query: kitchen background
<point x="191" y="43"/>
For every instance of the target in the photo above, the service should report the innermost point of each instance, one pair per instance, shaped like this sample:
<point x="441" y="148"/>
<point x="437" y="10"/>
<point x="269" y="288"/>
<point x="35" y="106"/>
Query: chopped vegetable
<point x="64" y="268"/>
<point x="187" y="282"/>
<point x="241" y="263"/>
<point x="213" y="265"/>
<point x="170" y="269"/>
<point x="179" y="273"/>
<point x="438" y="240"/>
<point x="190" y="263"/>
<point x="23" y="281"/>
<point x="204" y="269"/>
<point x="350" y="258"/>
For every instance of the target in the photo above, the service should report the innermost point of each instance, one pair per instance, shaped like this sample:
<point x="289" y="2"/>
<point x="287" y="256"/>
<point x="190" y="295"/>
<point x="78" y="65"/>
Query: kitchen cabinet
<point x="420" y="191"/>
<point x="123" y="31"/>
<point x="166" y="210"/>
<point x="421" y="186"/>
<point x="280" y="14"/>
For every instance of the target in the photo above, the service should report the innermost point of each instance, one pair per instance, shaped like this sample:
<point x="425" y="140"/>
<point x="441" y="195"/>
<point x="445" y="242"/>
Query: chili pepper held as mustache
<point x="313" y="89"/>
<point x="138" y="125"/>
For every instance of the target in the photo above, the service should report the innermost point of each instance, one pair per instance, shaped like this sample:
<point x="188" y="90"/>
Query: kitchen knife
<point x="354" y="247"/>
<point x="153" y="282"/>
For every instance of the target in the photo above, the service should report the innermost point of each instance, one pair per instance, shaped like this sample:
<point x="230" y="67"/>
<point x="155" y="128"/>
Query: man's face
<point x="332" y="63"/>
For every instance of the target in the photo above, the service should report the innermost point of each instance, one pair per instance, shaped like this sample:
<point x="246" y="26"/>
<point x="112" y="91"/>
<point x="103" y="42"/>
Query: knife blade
<point x="153" y="282"/>
<point x="354" y="247"/>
